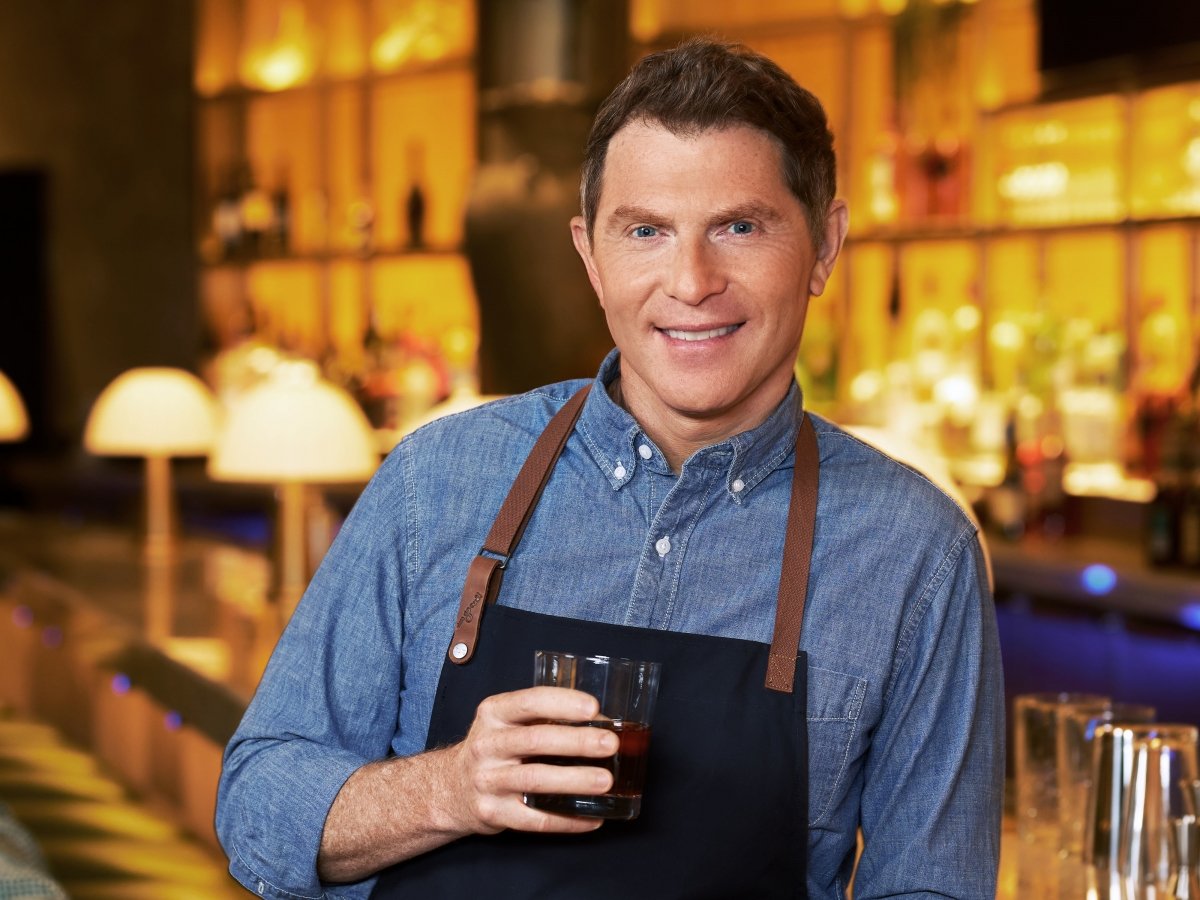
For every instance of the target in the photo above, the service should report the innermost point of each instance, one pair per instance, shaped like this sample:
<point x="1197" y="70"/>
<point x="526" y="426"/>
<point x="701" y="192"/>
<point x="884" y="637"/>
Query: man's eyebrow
<point x="628" y="212"/>
<point x="761" y="211"/>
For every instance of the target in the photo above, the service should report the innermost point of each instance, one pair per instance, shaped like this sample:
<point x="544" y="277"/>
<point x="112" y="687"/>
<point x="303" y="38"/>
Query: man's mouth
<point x="700" y="335"/>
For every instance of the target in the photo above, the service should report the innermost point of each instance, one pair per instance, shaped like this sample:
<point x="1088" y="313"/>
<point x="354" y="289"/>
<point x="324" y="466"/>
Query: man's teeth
<point x="699" y="335"/>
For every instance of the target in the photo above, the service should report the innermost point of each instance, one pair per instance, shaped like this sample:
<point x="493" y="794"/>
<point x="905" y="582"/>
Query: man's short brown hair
<point x="703" y="85"/>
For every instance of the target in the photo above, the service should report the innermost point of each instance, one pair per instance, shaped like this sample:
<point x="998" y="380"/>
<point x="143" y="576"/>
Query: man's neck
<point x="678" y="436"/>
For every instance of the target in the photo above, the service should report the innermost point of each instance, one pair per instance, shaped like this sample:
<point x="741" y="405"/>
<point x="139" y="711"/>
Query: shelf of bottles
<point x="335" y="146"/>
<point x="1020" y="292"/>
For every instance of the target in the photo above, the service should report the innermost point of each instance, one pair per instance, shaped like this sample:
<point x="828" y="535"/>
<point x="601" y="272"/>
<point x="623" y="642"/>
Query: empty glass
<point x="1163" y="768"/>
<point x="1035" y="734"/>
<point x="1076" y="730"/>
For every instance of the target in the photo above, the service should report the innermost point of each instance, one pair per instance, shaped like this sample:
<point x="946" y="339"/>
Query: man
<point x="683" y="507"/>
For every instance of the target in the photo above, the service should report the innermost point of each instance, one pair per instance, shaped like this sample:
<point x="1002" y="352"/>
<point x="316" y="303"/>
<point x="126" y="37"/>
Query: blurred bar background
<point x="373" y="195"/>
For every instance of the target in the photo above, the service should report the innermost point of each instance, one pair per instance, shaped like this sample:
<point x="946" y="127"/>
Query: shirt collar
<point x="619" y="447"/>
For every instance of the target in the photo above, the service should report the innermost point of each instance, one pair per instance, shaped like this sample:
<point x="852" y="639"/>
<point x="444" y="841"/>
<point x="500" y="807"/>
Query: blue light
<point x="173" y="721"/>
<point x="1098" y="579"/>
<point x="1190" y="615"/>
<point x="121" y="683"/>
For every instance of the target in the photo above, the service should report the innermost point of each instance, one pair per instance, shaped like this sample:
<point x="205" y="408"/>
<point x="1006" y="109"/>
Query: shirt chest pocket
<point x="834" y="703"/>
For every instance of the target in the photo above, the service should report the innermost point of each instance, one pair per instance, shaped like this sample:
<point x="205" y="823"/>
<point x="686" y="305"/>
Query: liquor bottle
<point x="227" y="219"/>
<point x="360" y="221"/>
<point x="1189" y="502"/>
<point x="379" y="385"/>
<point x="1163" y="512"/>
<point x="1007" y="504"/>
<point x="414" y="211"/>
<point x="279" y="235"/>
<point x="256" y="212"/>
<point x="414" y="202"/>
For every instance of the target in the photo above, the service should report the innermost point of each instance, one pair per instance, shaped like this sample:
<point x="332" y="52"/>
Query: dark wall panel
<point x="97" y="98"/>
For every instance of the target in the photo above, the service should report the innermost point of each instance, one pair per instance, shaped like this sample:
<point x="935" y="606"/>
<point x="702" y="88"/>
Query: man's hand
<point x="509" y="729"/>
<point x="395" y="809"/>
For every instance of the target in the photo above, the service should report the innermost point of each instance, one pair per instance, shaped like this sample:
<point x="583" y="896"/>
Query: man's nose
<point x="695" y="272"/>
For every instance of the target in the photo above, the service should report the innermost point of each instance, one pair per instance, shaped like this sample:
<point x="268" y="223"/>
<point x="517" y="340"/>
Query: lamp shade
<point x="152" y="412"/>
<point x="14" y="423"/>
<point x="295" y="426"/>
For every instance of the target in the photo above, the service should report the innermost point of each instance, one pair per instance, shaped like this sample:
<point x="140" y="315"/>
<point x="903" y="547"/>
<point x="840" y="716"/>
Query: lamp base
<point x="291" y="547"/>
<point x="160" y="526"/>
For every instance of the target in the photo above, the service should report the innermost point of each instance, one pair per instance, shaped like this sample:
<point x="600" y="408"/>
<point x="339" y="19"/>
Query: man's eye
<point x="741" y="228"/>
<point x="645" y="231"/>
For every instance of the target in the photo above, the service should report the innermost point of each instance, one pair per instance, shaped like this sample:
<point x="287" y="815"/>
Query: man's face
<point x="703" y="262"/>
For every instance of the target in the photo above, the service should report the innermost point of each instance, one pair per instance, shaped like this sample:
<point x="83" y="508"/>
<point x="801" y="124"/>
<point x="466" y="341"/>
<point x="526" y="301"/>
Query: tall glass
<point x="1035" y="736"/>
<point x="1139" y="780"/>
<point x="1163" y="766"/>
<point x="1075" y="746"/>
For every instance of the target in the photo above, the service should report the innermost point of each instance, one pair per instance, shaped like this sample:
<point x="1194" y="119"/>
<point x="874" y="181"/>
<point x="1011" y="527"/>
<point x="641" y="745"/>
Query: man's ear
<point x="837" y="222"/>
<point x="583" y="246"/>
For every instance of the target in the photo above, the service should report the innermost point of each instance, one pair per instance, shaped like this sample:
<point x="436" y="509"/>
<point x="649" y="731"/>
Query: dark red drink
<point x="628" y="768"/>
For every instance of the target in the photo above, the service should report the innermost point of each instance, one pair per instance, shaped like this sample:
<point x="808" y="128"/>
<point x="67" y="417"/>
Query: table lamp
<point x="293" y="430"/>
<point x="155" y="413"/>
<point x="14" y="423"/>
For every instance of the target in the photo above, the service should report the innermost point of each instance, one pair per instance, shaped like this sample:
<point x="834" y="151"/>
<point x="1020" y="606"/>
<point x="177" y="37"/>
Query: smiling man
<point x="821" y="612"/>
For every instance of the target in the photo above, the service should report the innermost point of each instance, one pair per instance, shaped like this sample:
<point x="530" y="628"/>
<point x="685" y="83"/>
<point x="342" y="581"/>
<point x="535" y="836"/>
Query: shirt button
<point x="619" y="471"/>
<point x="738" y="485"/>
<point x="645" y="452"/>
<point x="663" y="546"/>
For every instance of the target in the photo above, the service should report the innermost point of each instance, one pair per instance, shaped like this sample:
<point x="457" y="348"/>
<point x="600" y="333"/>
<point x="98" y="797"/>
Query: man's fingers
<point x="547" y="739"/>
<point x="540" y="778"/>
<point x="538" y="704"/>
<point x="517" y="816"/>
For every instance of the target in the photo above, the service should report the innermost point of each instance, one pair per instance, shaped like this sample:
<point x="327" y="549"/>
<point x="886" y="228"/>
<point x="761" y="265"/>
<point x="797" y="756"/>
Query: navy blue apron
<point x="725" y="808"/>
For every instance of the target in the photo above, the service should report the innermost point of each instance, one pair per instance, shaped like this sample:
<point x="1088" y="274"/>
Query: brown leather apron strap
<point x="486" y="572"/>
<point x="797" y="556"/>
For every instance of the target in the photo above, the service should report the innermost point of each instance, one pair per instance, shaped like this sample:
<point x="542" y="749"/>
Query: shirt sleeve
<point x="327" y="704"/>
<point x="934" y="776"/>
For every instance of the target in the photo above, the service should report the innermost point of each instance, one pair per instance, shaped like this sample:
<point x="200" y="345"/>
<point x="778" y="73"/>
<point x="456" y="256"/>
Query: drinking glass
<point x="1035" y="734"/>
<point x="1076" y="729"/>
<point x="627" y="690"/>
<point x="1162" y="769"/>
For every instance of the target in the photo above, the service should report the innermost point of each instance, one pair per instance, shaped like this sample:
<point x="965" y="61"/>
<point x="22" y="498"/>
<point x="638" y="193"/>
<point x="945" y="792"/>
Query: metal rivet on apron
<point x="645" y="452"/>
<point x="663" y="546"/>
<point x="619" y="471"/>
<point x="738" y="486"/>
<point x="459" y="650"/>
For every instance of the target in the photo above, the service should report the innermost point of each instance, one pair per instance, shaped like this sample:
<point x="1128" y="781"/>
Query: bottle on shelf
<point x="278" y="237"/>
<point x="227" y="219"/>
<point x="1007" y="502"/>
<point x="360" y="222"/>
<point x="1163" y="513"/>
<point x="257" y="214"/>
<point x="414" y="202"/>
<point x="1189" y="503"/>
<point x="379" y="383"/>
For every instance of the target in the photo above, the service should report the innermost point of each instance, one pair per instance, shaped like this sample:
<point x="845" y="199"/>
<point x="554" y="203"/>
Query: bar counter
<point x="150" y="665"/>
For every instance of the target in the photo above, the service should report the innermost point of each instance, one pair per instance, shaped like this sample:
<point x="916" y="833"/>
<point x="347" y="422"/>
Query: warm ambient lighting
<point x="293" y="430"/>
<point x="155" y="413"/>
<point x="14" y="423"/>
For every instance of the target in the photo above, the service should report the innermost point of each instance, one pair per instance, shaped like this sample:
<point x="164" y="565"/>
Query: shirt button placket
<point x="663" y="545"/>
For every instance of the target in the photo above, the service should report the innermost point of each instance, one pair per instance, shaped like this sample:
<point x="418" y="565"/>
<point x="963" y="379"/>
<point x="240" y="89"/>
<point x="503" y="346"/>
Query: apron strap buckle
<point x="480" y="590"/>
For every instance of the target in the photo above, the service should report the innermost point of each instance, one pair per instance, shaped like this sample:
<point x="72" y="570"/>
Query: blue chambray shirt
<point x="905" y="700"/>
